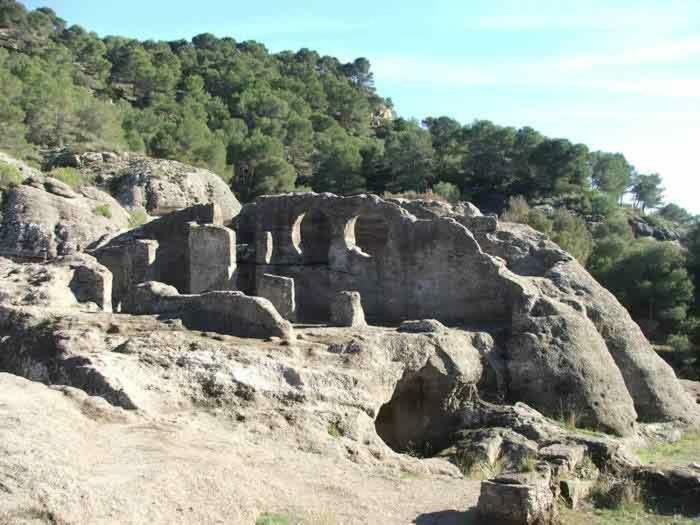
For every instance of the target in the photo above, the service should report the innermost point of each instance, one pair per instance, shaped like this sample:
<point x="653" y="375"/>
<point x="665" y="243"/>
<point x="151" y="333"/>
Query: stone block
<point x="516" y="503"/>
<point x="279" y="291"/>
<point x="346" y="310"/>
<point x="212" y="257"/>
<point x="575" y="491"/>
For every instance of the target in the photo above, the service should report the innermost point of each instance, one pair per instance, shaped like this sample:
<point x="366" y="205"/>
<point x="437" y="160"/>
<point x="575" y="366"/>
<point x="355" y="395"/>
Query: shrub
<point x="517" y="211"/>
<point x="103" y="210"/>
<point x="447" y="190"/>
<point x="610" y="492"/>
<point x="476" y="469"/>
<point x="571" y="233"/>
<point x="528" y="463"/>
<point x="334" y="429"/>
<point x="70" y="176"/>
<point x="679" y="343"/>
<point x="603" y="204"/>
<point x="9" y="176"/>
<point x="520" y="211"/>
<point x="137" y="218"/>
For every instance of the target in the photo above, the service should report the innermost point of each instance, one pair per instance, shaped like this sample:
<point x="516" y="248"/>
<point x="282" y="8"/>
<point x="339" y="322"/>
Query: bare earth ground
<point x="69" y="458"/>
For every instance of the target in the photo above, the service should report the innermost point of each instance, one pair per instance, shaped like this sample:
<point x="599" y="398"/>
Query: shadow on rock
<point x="447" y="517"/>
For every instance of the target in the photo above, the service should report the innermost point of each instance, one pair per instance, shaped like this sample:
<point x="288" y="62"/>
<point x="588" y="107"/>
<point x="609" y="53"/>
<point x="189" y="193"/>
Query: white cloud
<point x="663" y="53"/>
<point x="542" y="16"/>
<point x="585" y="72"/>
<point x="430" y="72"/>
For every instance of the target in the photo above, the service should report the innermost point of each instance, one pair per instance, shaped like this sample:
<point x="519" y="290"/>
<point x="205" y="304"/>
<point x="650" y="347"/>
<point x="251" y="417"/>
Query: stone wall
<point x="175" y="249"/>
<point x="403" y="267"/>
<point x="226" y="312"/>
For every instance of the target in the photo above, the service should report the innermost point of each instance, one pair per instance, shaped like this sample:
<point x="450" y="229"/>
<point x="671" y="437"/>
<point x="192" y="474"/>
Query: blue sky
<point x="618" y="76"/>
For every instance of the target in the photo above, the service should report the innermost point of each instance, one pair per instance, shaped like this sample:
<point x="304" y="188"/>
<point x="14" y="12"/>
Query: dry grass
<point x="473" y="469"/>
<point x="631" y="515"/>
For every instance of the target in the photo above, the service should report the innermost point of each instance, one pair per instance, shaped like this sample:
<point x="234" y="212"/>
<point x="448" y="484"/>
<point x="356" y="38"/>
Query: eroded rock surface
<point x="44" y="218"/>
<point x="478" y="335"/>
<point x="157" y="186"/>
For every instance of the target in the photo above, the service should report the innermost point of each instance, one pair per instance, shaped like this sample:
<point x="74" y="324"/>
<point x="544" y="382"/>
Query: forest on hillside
<point x="276" y="122"/>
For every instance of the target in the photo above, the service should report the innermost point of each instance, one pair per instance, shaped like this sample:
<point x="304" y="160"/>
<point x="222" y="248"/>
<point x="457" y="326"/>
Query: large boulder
<point x="157" y="186"/>
<point x="577" y="321"/>
<point x="45" y="218"/>
<point x="62" y="283"/>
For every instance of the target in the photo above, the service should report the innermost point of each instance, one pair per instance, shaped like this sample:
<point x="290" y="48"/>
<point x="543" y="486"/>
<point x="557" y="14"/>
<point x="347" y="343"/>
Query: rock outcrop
<point x="567" y="346"/>
<point x="157" y="186"/>
<point x="24" y="169"/>
<point x="62" y="283"/>
<point x="478" y="337"/>
<point x="45" y="218"/>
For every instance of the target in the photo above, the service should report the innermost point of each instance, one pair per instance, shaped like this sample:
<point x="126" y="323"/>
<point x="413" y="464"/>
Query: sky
<point x="620" y="76"/>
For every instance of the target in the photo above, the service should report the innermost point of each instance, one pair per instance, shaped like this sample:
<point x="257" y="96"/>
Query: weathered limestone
<point x="212" y="257"/>
<point x="158" y="186"/>
<point x="558" y="363"/>
<point x="656" y="392"/>
<point x="280" y="292"/>
<point x="402" y="266"/>
<point x="44" y="218"/>
<point x="91" y="281"/>
<point x="675" y="488"/>
<point x="575" y="491"/>
<point x="488" y="445"/>
<point x="421" y="326"/>
<point x="63" y="282"/>
<point x="346" y="310"/>
<point x="518" y="499"/>
<point x="166" y="256"/>
<point x="232" y="313"/>
<point x="130" y="263"/>
<point x="559" y="351"/>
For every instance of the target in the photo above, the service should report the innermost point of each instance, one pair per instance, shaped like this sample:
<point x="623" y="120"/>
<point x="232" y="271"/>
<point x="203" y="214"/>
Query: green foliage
<point x="647" y="191"/>
<point x="137" y="218"/>
<point x="685" y="450"/>
<point x="9" y="176"/>
<point x="70" y="176"/>
<point x="678" y="342"/>
<point x="571" y="233"/>
<point x="269" y="518"/>
<point x="674" y="213"/>
<point x="611" y="173"/>
<point x="409" y="157"/>
<point x="602" y="204"/>
<point x="448" y="191"/>
<point x="566" y="229"/>
<point x="475" y="469"/>
<point x="335" y="430"/>
<point x="651" y="280"/>
<point x="103" y="210"/>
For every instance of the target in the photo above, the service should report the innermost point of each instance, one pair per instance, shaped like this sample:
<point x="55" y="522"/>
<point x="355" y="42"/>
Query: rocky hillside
<point x="83" y="200"/>
<point x="214" y="374"/>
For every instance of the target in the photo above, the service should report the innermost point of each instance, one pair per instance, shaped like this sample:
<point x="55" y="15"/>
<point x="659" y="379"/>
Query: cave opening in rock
<point x="418" y="419"/>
